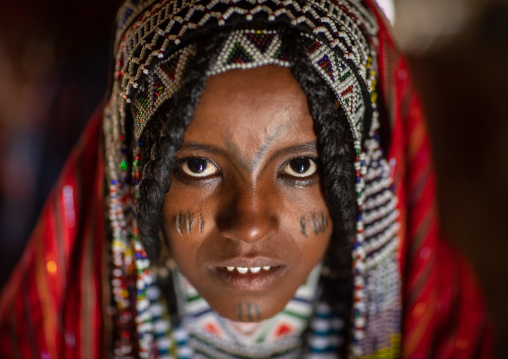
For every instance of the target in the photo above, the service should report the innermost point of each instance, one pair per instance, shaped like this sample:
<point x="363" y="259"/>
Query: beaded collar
<point x="306" y="328"/>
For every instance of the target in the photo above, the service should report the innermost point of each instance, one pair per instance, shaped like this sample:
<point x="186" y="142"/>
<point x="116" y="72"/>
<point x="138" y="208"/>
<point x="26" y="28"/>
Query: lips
<point x="249" y="274"/>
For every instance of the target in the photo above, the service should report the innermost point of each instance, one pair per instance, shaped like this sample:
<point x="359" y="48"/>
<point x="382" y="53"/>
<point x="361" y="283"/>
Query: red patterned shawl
<point x="55" y="303"/>
<point x="52" y="306"/>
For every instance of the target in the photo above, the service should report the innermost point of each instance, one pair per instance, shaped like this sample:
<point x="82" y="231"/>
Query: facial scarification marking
<point x="178" y="224"/>
<point x="239" y="311"/>
<point x="189" y="220"/>
<point x="324" y="220"/>
<point x="201" y="223"/>
<point x="186" y="222"/>
<point x="252" y="310"/>
<point x="319" y="223"/>
<point x="249" y="312"/>
<point x="244" y="162"/>
<point x="302" y="226"/>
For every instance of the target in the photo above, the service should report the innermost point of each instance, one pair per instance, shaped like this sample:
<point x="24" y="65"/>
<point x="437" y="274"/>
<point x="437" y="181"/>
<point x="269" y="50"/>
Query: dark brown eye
<point x="198" y="167"/>
<point x="300" y="167"/>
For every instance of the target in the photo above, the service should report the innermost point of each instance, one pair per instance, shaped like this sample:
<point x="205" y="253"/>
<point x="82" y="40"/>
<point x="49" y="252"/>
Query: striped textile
<point x="52" y="306"/>
<point x="443" y="312"/>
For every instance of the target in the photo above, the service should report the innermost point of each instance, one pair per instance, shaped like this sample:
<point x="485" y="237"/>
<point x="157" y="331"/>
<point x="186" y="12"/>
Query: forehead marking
<point x="251" y="164"/>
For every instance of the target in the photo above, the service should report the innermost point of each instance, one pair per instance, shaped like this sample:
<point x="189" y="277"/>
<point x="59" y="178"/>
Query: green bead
<point x="123" y="165"/>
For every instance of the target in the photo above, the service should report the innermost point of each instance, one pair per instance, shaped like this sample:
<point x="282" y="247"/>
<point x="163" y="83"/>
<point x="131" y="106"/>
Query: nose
<point x="248" y="216"/>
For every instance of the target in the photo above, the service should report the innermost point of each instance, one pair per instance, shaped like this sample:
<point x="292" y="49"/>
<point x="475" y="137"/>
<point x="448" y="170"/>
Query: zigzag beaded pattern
<point x="344" y="25"/>
<point x="248" y="49"/>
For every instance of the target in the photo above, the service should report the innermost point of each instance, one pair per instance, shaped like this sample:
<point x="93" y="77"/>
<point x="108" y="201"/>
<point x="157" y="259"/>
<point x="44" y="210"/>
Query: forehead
<point x="250" y="107"/>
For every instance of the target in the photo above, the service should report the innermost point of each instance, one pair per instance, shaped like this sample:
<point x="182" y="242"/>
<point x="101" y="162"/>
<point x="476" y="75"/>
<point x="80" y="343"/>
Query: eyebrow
<point x="304" y="147"/>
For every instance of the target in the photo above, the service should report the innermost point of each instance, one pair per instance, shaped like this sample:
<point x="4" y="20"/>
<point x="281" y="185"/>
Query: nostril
<point x="247" y="215"/>
<point x="249" y="228"/>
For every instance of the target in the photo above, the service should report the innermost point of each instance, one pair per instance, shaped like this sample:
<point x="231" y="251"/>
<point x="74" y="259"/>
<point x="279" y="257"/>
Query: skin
<point x="249" y="125"/>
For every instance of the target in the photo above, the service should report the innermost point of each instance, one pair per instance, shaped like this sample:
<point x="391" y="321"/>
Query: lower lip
<point x="249" y="281"/>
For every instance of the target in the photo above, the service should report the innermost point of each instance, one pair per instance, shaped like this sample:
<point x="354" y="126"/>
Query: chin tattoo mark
<point x="253" y="312"/>
<point x="302" y="226"/>
<point x="239" y="312"/>
<point x="249" y="312"/>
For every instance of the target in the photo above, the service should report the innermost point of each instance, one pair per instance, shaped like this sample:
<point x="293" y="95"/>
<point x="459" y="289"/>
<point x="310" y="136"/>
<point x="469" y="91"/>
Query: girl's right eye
<point x="198" y="167"/>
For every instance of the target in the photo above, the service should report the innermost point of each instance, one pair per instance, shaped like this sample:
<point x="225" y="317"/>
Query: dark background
<point x="54" y="61"/>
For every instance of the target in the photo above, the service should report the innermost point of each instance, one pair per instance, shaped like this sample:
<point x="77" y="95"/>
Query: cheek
<point x="308" y="220"/>
<point x="187" y="220"/>
<point x="314" y="223"/>
<point x="187" y="223"/>
<point x="184" y="223"/>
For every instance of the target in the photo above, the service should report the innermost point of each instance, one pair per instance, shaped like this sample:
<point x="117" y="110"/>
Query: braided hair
<point x="163" y="135"/>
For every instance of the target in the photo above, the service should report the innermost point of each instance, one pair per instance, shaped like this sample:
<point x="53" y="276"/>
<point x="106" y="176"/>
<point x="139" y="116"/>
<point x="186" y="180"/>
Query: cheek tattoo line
<point x="178" y="226"/>
<point x="189" y="219"/>
<point x="186" y="221"/>
<point x="201" y="223"/>
<point x="302" y="226"/>
<point x="319" y="224"/>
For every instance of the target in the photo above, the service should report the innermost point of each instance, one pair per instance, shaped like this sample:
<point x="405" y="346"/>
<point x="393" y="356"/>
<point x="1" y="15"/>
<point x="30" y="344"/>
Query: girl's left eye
<point x="198" y="167"/>
<point x="300" y="167"/>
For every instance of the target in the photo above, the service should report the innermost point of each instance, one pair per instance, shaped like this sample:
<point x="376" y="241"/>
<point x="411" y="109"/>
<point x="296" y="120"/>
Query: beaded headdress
<point x="153" y="48"/>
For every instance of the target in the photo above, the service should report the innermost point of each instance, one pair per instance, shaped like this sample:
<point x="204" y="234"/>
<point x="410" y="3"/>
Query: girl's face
<point x="245" y="216"/>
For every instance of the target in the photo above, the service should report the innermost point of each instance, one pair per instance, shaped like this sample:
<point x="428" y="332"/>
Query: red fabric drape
<point x="443" y="311"/>
<point x="52" y="306"/>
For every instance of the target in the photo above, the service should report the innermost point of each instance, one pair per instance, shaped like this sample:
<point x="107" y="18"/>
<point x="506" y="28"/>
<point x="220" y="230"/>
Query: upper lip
<point x="249" y="261"/>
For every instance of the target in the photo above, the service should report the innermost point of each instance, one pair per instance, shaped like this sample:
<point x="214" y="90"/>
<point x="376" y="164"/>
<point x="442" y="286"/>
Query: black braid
<point x="335" y="143"/>
<point x="161" y="139"/>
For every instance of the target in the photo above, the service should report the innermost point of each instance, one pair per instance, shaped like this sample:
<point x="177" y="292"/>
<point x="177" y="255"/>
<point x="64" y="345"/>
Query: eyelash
<point x="303" y="161"/>
<point x="183" y="171"/>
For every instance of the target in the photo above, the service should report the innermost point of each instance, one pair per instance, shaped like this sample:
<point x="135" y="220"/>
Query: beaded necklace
<point x="308" y="327"/>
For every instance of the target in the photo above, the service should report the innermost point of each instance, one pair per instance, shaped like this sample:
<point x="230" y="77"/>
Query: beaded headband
<point x="153" y="50"/>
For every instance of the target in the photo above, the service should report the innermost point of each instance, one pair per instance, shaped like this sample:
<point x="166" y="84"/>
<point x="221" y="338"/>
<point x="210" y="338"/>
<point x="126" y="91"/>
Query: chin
<point x="249" y="308"/>
<point x="249" y="297"/>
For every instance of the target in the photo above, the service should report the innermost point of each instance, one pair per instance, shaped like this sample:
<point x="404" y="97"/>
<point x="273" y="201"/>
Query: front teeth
<point x="244" y="270"/>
